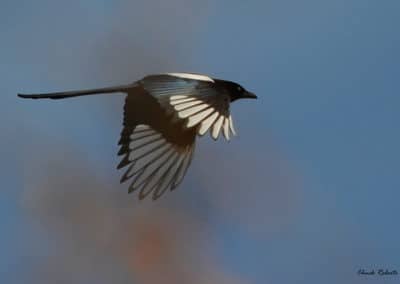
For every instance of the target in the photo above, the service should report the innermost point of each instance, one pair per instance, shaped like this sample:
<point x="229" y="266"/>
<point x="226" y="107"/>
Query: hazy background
<point x="307" y="193"/>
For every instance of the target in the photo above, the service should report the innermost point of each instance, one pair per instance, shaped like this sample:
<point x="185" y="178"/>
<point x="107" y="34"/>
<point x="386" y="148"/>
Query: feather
<point x="155" y="164"/>
<point x="226" y="128"/>
<point x="183" y="168"/>
<point x="217" y="127"/>
<point x="197" y="118"/>
<point x="188" y="112"/>
<point x="186" y="105"/>
<point x="192" y="76"/>
<point x="206" y="124"/>
<point x="194" y="98"/>
<point x="231" y="126"/>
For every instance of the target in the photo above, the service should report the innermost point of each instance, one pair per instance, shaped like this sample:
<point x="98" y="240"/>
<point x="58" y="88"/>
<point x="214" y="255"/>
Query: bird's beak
<point x="249" y="95"/>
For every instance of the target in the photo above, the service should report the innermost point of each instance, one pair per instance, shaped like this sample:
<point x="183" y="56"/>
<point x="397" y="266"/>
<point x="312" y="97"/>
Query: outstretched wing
<point x="193" y="98"/>
<point x="155" y="164"/>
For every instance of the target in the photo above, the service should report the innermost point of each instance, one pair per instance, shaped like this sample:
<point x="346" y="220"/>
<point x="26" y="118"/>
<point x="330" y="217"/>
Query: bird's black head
<point x="236" y="91"/>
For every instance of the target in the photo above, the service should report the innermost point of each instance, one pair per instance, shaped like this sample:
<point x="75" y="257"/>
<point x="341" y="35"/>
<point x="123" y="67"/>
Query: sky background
<point x="307" y="193"/>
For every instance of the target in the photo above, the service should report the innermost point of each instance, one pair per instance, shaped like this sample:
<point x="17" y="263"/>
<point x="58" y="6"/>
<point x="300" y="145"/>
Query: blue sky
<point x="326" y="73"/>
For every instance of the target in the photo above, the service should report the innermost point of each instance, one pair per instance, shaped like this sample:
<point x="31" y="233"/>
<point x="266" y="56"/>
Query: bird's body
<point x="162" y="116"/>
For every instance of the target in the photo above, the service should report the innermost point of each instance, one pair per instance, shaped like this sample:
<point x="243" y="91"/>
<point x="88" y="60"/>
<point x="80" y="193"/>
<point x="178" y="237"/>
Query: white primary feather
<point x="226" y="128"/>
<point x="187" y="105"/>
<point x="203" y="110"/>
<point x="217" y="127"/>
<point x="188" y="112"/>
<point x="194" y="101"/>
<point x="195" y="119"/>
<point x="231" y="125"/>
<point x="206" y="124"/>
<point x="178" y="97"/>
<point x="180" y="101"/>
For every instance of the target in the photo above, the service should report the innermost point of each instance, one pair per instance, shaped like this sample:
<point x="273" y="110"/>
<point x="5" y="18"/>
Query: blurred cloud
<point x="97" y="235"/>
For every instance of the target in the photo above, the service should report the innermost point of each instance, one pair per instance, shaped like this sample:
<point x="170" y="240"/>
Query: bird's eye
<point x="239" y="88"/>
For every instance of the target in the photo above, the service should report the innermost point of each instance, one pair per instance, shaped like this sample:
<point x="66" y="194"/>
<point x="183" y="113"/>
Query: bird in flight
<point x="163" y="114"/>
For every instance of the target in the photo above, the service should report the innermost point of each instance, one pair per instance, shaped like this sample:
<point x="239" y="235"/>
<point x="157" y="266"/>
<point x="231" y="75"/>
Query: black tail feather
<point x="70" y="94"/>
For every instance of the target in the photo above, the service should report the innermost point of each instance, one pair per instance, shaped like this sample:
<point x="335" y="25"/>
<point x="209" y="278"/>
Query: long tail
<point x="70" y="94"/>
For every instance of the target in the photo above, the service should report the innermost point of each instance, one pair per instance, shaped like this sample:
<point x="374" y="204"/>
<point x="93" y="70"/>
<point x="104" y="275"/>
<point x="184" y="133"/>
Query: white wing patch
<point x="206" y="112"/>
<point x="193" y="98"/>
<point x="191" y="76"/>
<point x="155" y="163"/>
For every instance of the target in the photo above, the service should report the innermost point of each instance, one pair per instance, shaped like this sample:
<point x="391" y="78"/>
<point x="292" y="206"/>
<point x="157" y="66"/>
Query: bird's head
<point x="236" y="91"/>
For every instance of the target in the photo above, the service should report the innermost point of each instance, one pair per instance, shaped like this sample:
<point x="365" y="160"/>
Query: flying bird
<point x="163" y="114"/>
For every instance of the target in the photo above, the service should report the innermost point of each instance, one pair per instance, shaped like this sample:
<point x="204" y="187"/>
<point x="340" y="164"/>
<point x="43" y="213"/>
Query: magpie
<point x="163" y="114"/>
